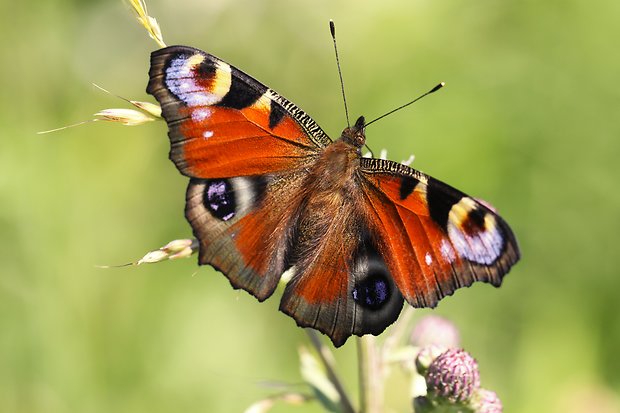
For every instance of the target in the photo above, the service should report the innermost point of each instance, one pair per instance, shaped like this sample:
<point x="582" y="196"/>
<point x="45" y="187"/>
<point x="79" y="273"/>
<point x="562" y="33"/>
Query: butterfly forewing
<point x="438" y="239"/>
<point x="223" y="123"/>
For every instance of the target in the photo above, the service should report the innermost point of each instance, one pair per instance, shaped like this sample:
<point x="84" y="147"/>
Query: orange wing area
<point x="319" y="298"/>
<point x="319" y="294"/>
<point x="428" y="258"/>
<point x="262" y="239"/>
<point x="406" y="240"/>
<point x="223" y="123"/>
<point x="248" y="241"/>
<point x="228" y="144"/>
<point x="340" y="284"/>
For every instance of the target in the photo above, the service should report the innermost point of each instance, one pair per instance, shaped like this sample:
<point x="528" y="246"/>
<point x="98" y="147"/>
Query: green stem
<point x="328" y="362"/>
<point x="370" y="375"/>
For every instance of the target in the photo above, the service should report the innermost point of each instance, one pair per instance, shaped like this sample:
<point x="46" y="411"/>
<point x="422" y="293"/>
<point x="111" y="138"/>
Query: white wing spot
<point x="428" y="259"/>
<point x="207" y="134"/>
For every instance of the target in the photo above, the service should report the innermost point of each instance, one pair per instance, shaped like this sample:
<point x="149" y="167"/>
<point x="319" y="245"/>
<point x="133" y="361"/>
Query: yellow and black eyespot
<point x="474" y="232"/>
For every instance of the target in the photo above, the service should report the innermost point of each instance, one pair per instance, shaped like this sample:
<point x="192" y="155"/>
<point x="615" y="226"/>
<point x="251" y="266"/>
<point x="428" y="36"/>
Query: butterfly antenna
<point x="433" y="90"/>
<point x="332" y="29"/>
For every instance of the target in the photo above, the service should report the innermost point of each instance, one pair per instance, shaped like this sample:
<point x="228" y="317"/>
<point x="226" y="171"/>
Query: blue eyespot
<point x="372" y="292"/>
<point x="219" y="199"/>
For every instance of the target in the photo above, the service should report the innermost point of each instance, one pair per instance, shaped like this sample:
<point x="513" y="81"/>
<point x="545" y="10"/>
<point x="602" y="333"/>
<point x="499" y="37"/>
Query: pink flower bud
<point x="485" y="401"/>
<point x="433" y="330"/>
<point x="453" y="376"/>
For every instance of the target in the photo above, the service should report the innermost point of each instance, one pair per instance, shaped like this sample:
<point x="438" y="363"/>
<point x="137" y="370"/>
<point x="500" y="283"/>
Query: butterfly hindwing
<point x="340" y="285"/>
<point x="224" y="123"/>
<point x="438" y="239"/>
<point x="244" y="228"/>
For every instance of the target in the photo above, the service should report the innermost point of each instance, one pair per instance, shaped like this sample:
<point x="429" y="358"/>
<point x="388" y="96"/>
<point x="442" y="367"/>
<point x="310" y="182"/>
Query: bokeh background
<point x="529" y="120"/>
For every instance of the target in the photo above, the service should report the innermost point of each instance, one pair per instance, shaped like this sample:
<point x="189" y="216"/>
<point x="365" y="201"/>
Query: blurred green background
<point x="529" y="121"/>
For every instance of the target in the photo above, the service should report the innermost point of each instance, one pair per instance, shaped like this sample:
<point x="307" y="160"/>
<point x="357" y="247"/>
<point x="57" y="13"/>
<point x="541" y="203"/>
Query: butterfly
<point x="270" y="194"/>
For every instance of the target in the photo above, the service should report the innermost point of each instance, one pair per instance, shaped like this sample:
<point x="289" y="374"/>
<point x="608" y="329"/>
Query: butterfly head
<point x="355" y="135"/>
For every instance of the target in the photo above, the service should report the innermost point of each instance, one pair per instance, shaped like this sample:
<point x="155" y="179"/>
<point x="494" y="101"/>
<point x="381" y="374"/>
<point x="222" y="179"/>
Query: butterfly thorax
<point x="327" y="200"/>
<point x="333" y="172"/>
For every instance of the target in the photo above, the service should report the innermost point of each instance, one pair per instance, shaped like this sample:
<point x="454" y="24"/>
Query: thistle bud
<point x="433" y="330"/>
<point x="485" y="401"/>
<point x="426" y="356"/>
<point x="453" y="376"/>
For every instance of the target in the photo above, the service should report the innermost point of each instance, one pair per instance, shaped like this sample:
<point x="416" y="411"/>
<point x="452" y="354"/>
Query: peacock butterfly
<point x="270" y="192"/>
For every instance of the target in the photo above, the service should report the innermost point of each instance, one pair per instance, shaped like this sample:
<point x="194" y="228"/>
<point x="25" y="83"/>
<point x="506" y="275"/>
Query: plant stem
<point x="370" y="375"/>
<point x="328" y="361"/>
